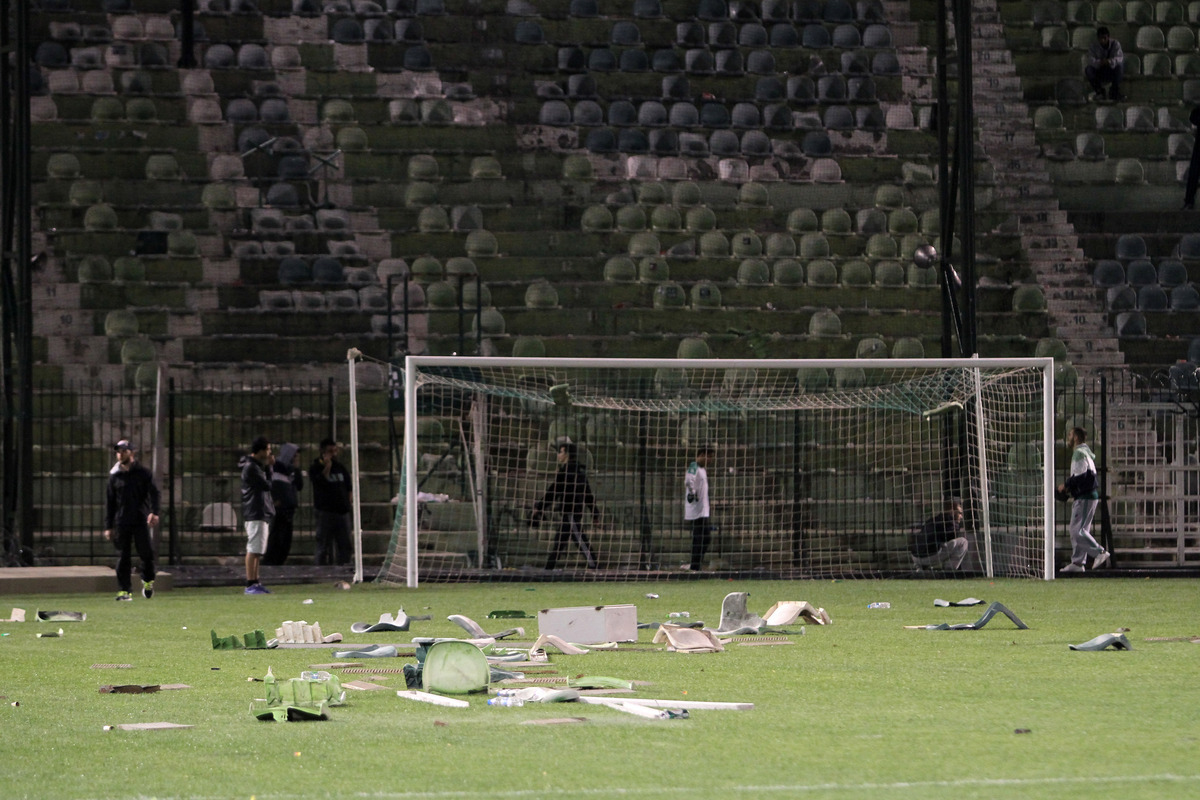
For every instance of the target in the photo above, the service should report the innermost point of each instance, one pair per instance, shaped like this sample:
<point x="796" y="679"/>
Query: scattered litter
<point x="112" y="666"/>
<point x="299" y="699"/>
<point x="435" y="699"/>
<point x="472" y="627"/>
<point x="554" y="721"/>
<point x="538" y="651"/>
<point x="146" y="726"/>
<point x="678" y="614"/>
<point x="651" y="596"/>
<point x="785" y="612"/>
<point x="688" y="640"/>
<point x="735" y="618"/>
<point x="598" y="682"/>
<point x="142" y="688"/>
<point x="51" y="634"/>
<point x="967" y="601"/>
<point x="508" y="614"/>
<point x="373" y="671"/>
<point x="752" y="642"/>
<point x="645" y="711"/>
<point x="695" y="623"/>
<point x="1116" y="641"/>
<point x="693" y="705"/>
<point x="61" y="616"/>
<point x="1192" y="639"/>
<point x="342" y="585"/>
<point x="255" y="640"/>
<point x="992" y="610"/>
<point x="879" y="605"/>
<point x="536" y="694"/>
<point x="369" y="651"/>
<point x="590" y="624"/>
<point x="454" y="667"/>
<point x="306" y="602"/>
<point x="303" y="633"/>
<point x="364" y="686"/>
<point x="18" y="615"/>
<point x="1022" y="730"/>
<point x="387" y="622"/>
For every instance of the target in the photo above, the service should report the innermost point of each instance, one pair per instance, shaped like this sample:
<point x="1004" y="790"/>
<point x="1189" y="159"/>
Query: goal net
<point x="817" y="468"/>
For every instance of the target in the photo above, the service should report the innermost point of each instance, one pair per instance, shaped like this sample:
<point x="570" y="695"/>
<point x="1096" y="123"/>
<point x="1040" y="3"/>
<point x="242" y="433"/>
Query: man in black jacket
<point x="331" y="505"/>
<point x="939" y="542"/>
<point x="572" y="494"/>
<point x="258" y="509"/>
<point x="131" y="510"/>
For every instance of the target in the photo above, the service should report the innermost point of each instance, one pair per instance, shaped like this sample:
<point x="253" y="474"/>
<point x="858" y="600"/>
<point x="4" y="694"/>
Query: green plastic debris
<point x="300" y="699"/>
<point x="454" y="667"/>
<point x="598" y="682"/>
<point x="508" y="614"/>
<point x="255" y="640"/>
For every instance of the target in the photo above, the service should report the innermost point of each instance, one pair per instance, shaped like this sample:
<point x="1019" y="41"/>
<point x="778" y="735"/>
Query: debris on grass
<point x="255" y="640"/>
<point x="472" y="627"/>
<point x="434" y="699"/>
<point x="508" y="614"/>
<point x="688" y="640"/>
<point x="554" y="721"/>
<point x="966" y="601"/>
<point x="112" y="666"/>
<point x="369" y="651"/>
<point x="61" y="616"/>
<point x="301" y="632"/>
<point x="590" y="624"/>
<point x="386" y="623"/>
<point x="992" y="610"/>
<point x="17" y="615"/>
<point x="1116" y="641"/>
<point x="146" y="726"/>
<point x="51" y="634"/>
<point x="300" y="699"/>
<point x="142" y="688"/>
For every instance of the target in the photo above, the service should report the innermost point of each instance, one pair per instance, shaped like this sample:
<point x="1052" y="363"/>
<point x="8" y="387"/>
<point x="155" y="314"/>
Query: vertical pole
<point x="965" y="145"/>
<point x="172" y="519"/>
<point x="945" y="185"/>
<point x="981" y="446"/>
<point x="22" y="210"/>
<point x="1106" y="534"/>
<point x="1048" y="470"/>
<point x="352" y="357"/>
<point x="410" y="470"/>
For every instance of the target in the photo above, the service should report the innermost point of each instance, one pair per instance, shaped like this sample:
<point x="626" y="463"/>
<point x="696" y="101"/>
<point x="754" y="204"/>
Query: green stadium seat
<point x="653" y="269"/>
<point x="100" y="217"/>
<point x="489" y="323"/>
<point x="1029" y="298"/>
<point x="802" y="220"/>
<point x="644" y="243"/>
<point x="704" y="295"/>
<point x="137" y="350"/>
<point x="482" y="244"/>
<point x="665" y="218"/>
<point x="814" y="245"/>
<point x="836" y="221"/>
<point x="714" y="244"/>
<point x="669" y="295"/>
<point x="889" y="275"/>
<point x="541" y="294"/>
<point x="822" y="273"/>
<point x="856" y="274"/>
<point x="86" y="193"/>
<point x="700" y="219"/>
<point x="1149" y="38"/>
<point x="94" y="268"/>
<point x="1056" y="39"/>
<point x="1130" y="325"/>
<point x="753" y="272"/>
<point x="1185" y="298"/>
<point x="528" y="347"/>
<point x="426" y="270"/>
<point x="908" y="347"/>
<point x="1181" y="39"/>
<point x="780" y="245"/>
<point x="1108" y="273"/>
<point x="1110" y="12"/>
<point x="1131" y="246"/>
<point x="1156" y="65"/>
<point x="882" y="246"/>
<point x="433" y="219"/>
<point x="1172" y="273"/>
<point x="1152" y="297"/>
<point x="825" y="322"/>
<point x="788" y="272"/>
<point x="745" y="244"/>
<point x="596" y="219"/>
<point x="1048" y="118"/>
<point x="871" y="347"/>
<point x="1090" y="147"/>
<point x="1109" y="118"/>
<point x="620" y="269"/>
<point x="849" y="377"/>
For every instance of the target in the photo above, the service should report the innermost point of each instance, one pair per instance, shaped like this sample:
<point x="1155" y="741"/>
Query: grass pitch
<point x="861" y="708"/>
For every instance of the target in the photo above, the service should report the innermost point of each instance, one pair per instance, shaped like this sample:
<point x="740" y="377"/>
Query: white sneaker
<point x="1100" y="560"/>
<point x="1072" y="568"/>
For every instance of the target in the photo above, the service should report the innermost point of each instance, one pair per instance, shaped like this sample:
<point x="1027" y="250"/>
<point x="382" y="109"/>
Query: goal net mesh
<point x="815" y="471"/>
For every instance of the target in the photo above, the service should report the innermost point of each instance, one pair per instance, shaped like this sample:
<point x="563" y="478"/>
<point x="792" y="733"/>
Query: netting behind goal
<point x="819" y="468"/>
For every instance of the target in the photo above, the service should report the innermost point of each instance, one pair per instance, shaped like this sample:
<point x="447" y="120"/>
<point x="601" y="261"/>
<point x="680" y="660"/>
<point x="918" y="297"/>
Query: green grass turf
<point x="862" y="708"/>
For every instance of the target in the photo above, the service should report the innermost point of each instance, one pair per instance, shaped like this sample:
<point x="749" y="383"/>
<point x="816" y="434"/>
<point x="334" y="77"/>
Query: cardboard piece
<point x="590" y="624"/>
<point x="18" y="615"/>
<point x="140" y="688"/>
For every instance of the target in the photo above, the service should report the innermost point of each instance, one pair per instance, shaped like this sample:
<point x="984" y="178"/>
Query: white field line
<point x="665" y="791"/>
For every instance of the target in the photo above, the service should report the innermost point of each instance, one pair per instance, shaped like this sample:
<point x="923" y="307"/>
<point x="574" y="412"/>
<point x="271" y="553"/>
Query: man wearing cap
<point x="131" y="510"/>
<point x="258" y="509"/>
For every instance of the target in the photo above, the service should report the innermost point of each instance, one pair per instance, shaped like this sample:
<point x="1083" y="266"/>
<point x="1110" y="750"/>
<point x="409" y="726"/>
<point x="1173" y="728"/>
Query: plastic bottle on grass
<point x="506" y="700"/>
<point x="879" y="605"/>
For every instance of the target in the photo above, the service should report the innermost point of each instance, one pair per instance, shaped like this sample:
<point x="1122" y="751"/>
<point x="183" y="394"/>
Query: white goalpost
<point x="819" y="468"/>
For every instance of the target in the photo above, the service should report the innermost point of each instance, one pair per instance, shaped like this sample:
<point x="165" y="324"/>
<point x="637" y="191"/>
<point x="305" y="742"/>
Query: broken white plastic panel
<point x="590" y="624"/>
<point x="386" y="622"/>
<point x="785" y="612"/>
<point x="538" y="651"/>
<point x="292" y="632"/>
<point x="435" y="699"/>
<point x="691" y="705"/>
<point x="18" y="615"/>
<point x="688" y="640"/>
<point x="472" y="627"/>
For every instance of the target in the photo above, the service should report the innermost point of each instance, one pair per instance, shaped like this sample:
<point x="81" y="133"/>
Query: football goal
<point x="815" y="468"/>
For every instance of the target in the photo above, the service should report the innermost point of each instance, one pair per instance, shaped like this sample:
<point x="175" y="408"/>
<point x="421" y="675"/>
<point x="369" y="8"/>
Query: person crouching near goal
<point x="572" y="494"/>
<point x="695" y="506"/>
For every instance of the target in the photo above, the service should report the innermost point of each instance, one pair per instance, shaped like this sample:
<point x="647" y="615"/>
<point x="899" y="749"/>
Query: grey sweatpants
<point x="1082" y="543"/>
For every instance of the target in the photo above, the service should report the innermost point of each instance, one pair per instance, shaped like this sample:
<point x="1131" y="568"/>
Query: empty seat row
<point x="722" y="36"/>
<point x="1153" y="297"/>
<point x="1114" y="12"/>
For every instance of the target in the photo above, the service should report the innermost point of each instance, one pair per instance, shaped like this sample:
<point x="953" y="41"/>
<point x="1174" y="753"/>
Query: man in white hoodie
<point x="695" y="507"/>
<point x="1084" y="489"/>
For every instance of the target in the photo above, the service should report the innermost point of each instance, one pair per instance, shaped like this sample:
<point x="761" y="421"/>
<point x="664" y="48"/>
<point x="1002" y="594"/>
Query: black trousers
<point x="279" y="539"/>
<point x="701" y="536"/>
<point x="571" y="528"/>
<point x="127" y="538"/>
<point x="333" y="538"/>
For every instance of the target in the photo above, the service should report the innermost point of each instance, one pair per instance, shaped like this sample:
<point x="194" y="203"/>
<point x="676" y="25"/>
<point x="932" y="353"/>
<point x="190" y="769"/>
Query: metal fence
<point x="190" y="436"/>
<point x="1145" y="430"/>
